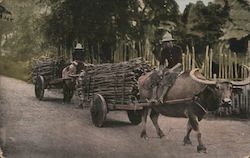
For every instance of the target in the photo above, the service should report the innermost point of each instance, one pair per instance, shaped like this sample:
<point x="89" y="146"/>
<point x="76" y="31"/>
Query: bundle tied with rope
<point x="116" y="82"/>
<point x="49" y="68"/>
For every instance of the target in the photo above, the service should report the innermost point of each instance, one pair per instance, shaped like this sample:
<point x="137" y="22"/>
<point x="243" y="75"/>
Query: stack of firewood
<point x="117" y="83"/>
<point x="49" y="68"/>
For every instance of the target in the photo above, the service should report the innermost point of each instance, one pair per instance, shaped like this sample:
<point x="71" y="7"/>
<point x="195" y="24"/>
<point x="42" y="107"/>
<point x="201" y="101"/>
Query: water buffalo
<point x="191" y="84"/>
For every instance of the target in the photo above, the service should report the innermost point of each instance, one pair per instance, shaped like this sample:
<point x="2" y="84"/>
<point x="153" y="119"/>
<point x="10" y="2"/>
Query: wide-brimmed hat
<point x="78" y="46"/>
<point x="75" y="63"/>
<point x="167" y="37"/>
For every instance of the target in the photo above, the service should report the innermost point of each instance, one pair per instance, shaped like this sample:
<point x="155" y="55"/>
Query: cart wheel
<point x="98" y="110"/>
<point x="134" y="116"/>
<point x="39" y="87"/>
<point x="67" y="94"/>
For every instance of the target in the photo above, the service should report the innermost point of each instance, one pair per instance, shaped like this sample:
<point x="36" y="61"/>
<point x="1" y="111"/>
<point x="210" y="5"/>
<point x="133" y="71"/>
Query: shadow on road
<point x="116" y="123"/>
<point x="51" y="100"/>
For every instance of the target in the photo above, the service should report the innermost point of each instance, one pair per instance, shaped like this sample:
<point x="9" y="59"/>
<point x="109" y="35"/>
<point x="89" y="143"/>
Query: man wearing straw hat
<point x="170" y="58"/>
<point x="74" y="68"/>
<point x="171" y="54"/>
<point x="78" y="54"/>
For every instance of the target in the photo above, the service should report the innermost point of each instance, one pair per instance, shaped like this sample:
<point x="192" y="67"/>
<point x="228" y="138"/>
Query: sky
<point x="183" y="3"/>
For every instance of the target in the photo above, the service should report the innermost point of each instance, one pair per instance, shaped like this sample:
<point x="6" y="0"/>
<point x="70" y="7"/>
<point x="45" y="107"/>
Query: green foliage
<point x="22" y="39"/>
<point x="14" y="68"/>
<point x="101" y="24"/>
<point x="238" y="25"/>
<point x="202" y="24"/>
<point x="90" y="20"/>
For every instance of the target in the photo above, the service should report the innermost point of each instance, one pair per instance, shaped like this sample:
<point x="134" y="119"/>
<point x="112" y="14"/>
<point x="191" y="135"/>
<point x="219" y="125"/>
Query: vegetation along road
<point x="50" y="129"/>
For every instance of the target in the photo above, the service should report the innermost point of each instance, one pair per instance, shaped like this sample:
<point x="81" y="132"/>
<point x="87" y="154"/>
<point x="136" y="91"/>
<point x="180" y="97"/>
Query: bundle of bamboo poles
<point x="117" y="82"/>
<point x="49" y="68"/>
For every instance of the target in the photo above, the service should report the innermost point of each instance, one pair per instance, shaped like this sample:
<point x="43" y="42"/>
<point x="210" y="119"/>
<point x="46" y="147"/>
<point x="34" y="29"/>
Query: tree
<point x="238" y="24"/>
<point x="101" y="24"/>
<point x="20" y="38"/>
<point x="203" y="24"/>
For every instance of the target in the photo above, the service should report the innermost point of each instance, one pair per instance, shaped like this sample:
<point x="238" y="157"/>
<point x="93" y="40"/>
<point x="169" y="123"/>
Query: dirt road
<point x="50" y="129"/>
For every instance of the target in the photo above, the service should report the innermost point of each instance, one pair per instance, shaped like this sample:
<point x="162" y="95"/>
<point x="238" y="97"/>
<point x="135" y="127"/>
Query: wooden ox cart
<point x="114" y="87"/>
<point x="47" y="74"/>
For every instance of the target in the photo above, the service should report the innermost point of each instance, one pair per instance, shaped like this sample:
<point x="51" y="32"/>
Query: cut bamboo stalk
<point x="193" y="58"/>
<point x="229" y="65"/>
<point x="206" y="62"/>
<point x="235" y="66"/>
<point x="210" y="63"/>
<point x="220" y="62"/>
<point x="223" y="66"/>
<point x="183" y="62"/>
<point x="214" y="76"/>
<point x="226" y="66"/>
<point x="186" y="58"/>
<point x="189" y="61"/>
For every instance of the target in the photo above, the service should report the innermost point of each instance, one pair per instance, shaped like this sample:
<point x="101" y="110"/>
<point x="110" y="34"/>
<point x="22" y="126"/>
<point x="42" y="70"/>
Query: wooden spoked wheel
<point x="98" y="110"/>
<point x="39" y="87"/>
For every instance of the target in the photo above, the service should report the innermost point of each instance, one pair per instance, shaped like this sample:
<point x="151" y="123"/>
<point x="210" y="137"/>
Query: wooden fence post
<point x="211" y="63"/>
<point x="193" y="58"/>
<point x="220" y="62"/>
<point x="183" y="61"/>
<point x="206" y="62"/>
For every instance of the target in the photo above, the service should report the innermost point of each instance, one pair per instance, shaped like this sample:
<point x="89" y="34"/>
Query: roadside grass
<point x="12" y="68"/>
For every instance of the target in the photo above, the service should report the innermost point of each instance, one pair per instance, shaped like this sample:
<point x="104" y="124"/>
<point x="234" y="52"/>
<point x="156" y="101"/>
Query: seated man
<point x="155" y="85"/>
<point x="69" y="70"/>
<point x="168" y="79"/>
<point x="170" y="57"/>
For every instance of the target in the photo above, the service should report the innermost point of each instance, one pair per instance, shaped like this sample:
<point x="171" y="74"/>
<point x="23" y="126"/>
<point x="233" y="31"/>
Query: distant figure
<point x="78" y="54"/>
<point x="69" y="70"/>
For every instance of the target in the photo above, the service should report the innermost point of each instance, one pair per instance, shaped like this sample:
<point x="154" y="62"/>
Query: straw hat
<point x="167" y="37"/>
<point x="75" y="63"/>
<point x="78" y="46"/>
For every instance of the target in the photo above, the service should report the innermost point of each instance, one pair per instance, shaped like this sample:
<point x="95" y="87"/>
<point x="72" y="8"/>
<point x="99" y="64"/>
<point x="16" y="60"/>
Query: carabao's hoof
<point x="1" y="153"/>
<point x="144" y="135"/>
<point x="187" y="140"/>
<point x="161" y="134"/>
<point x="201" y="149"/>
<point x="161" y="100"/>
<point x="153" y="101"/>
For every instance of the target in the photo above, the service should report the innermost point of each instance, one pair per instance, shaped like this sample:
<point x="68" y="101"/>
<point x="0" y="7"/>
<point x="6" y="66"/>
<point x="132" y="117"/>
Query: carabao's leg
<point x="187" y="137"/>
<point x="154" y="117"/>
<point x="2" y="140"/>
<point x="164" y="92"/>
<point x="154" y="95"/>
<point x="144" y="121"/>
<point x="195" y="126"/>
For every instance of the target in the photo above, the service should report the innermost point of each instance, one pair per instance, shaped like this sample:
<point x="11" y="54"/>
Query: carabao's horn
<point x="245" y="81"/>
<point x="207" y="82"/>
